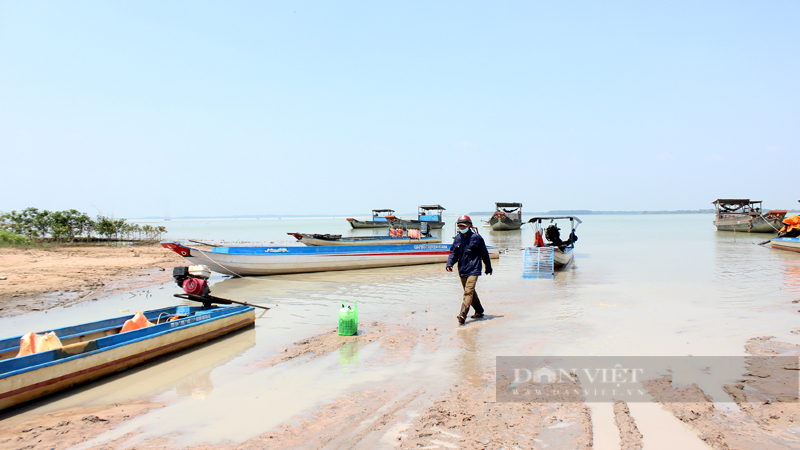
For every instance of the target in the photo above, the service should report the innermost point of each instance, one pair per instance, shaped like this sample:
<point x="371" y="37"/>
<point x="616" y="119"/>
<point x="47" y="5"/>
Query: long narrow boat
<point x="378" y="220"/>
<point x="507" y="216"/>
<point x="242" y="261"/>
<point x="96" y="349"/>
<point x="746" y="215"/>
<point x="335" y="239"/>
<point x="791" y="244"/>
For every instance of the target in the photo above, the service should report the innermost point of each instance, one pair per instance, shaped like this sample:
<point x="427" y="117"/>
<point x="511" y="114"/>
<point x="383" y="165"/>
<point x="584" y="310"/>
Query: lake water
<point x="639" y="285"/>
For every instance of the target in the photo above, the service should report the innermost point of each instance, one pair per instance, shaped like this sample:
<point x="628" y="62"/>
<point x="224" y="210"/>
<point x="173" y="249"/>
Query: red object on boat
<point x="194" y="286"/>
<point x="537" y="239"/>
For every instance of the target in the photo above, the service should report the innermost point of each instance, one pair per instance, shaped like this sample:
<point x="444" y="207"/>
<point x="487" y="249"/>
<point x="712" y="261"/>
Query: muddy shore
<point x="399" y="413"/>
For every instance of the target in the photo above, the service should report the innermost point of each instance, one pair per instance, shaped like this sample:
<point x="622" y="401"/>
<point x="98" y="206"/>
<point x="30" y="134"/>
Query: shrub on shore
<point x="72" y="225"/>
<point x="7" y="237"/>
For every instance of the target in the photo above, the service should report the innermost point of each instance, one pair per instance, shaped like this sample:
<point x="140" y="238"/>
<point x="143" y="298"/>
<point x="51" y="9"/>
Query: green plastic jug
<point x="348" y="319"/>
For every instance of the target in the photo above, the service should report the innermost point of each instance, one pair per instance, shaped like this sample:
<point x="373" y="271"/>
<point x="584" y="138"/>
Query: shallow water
<point x="639" y="285"/>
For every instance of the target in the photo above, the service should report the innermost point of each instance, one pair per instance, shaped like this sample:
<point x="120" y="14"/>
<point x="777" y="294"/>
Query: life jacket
<point x="537" y="239"/>
<point x="138" y="321"/>
<point x="35" y="343"/>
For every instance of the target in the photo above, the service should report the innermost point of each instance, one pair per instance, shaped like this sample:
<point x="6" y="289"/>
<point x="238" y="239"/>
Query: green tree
<point x="161" y="230"/>
<point x="41" y="221"/>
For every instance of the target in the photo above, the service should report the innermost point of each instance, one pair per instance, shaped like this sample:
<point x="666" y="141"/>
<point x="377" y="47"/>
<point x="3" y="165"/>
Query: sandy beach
<point x="438" y="387"/>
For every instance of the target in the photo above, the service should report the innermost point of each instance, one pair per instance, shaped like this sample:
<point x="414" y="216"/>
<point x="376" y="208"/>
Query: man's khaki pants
<point x="470" y="296"/>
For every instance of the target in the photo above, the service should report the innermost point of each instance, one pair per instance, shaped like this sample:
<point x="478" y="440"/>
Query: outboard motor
<point x="553" y="235"/>
<point x="193" y="279"/>
<point x="424" y="229"/>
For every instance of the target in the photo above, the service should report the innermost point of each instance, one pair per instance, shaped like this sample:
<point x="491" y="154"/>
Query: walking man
<point x="468" y="250"/>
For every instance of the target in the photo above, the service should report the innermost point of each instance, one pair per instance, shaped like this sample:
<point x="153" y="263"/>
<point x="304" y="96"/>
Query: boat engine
<point x="552" y="233"/>
<point x="193" y="279"/>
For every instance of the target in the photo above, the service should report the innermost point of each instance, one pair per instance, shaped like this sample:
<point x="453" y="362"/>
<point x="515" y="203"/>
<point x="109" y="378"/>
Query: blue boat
<point x="97" y="349"/>
<point x="243" y="261"/>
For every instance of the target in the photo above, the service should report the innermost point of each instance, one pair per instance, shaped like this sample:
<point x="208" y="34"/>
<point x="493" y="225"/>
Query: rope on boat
<point x="158" y="320"/>
<point x="218" y="263"/>
<point x="766" y="220"/>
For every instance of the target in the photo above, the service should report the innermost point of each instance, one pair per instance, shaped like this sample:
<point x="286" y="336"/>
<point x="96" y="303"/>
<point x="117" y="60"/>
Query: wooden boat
<point x="544" y="258"/>
<point x="746" y="215"/>
<point x="791" y="244"/>
<point x="378" y="220"/>
<point x="96" y="349"/>
<point x="337" y="239"/>
<point x="242" y="261"/>
<point x="507" y="216"/>
<point x="430" y="215"/>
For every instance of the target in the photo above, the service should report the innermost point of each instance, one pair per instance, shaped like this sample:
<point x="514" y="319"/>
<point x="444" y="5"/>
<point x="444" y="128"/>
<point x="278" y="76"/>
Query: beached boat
<point x="549" y="251"/>
<point x="430" y="215"/>
<point x="243" y="261"/>
<point x="96" y="349"/>
<point x="746" y="215"/>
<point x="507" y="216"/>
<point x="337" y="239"/>
<point x="381" y="218"/>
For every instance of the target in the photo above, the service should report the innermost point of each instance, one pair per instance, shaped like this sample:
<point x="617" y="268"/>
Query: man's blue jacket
<point x="468" y="250"/>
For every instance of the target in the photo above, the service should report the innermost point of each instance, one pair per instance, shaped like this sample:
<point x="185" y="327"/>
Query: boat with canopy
<point x="549" y="251"/>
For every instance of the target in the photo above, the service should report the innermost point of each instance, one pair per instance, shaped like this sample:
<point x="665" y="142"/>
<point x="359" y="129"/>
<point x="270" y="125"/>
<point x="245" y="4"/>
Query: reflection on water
<point x="348" y="355"/>
<point x="198" y="386"/>
<point x="507" y="239"/>
<point x="791" y="276"/>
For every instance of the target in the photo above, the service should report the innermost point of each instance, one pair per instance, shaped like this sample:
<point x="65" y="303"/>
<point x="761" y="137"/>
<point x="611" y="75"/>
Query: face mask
<point x="463" y="231"/>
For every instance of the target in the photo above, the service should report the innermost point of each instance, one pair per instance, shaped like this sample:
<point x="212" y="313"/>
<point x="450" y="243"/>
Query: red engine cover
<point x="194" y="286"/>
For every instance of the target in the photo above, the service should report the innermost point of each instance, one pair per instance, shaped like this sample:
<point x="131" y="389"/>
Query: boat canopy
<point x="544" y="218"/>
<point x="737" y="204"/>
<point x="431" y="208"/>
<point x="375" y="212"/>
<point x="508" y="205"/>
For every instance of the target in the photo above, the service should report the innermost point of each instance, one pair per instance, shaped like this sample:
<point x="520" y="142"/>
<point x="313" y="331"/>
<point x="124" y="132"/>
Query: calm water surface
<point x="639" y="285"/>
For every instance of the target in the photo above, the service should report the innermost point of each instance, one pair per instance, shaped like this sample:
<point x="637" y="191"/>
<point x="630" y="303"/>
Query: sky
<point x="153" y="108"/>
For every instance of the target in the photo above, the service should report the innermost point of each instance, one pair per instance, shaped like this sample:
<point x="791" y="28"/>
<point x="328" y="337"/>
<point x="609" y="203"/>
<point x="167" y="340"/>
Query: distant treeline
<point x="584" y="212"/>
<point x="72" y="225"/>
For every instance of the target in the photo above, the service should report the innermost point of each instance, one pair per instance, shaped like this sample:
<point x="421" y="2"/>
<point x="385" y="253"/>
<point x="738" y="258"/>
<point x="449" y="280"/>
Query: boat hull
<point x="245" y="261"/>
<point x="748" y="224"/>
<point x="377" y="240"/>
<point x="562" y="258"/>
<point x="358" y="224"/>
<point x="21" y="381"/>
<point x="786" y="243"/>
<point x="504" y="223"/>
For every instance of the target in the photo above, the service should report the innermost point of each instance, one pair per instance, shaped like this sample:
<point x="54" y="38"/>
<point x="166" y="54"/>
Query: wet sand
<point x="40" y="279"/>
<point x="413" y="378"/>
